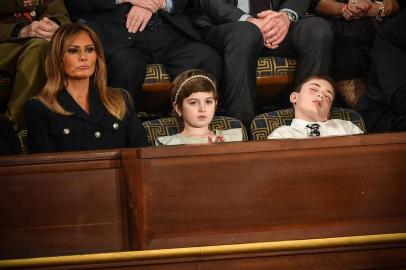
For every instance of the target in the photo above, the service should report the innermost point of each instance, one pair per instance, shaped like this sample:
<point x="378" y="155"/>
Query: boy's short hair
<point x="320" y="77"/>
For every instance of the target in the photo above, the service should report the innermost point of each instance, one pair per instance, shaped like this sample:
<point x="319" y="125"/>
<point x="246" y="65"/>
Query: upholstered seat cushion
<point x="156" y="73"/>
<point x="275" y="66"/>
<point x="267" y="66"/>
<point x="265" y="123"/>
<point x="171" y="126"/>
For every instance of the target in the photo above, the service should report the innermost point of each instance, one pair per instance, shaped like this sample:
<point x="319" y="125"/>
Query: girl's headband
<point x="191" y="78"/>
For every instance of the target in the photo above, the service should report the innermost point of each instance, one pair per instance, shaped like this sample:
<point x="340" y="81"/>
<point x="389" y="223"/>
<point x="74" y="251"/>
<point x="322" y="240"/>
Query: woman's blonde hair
<point x="189" y="82"/>
<point x="113" y="99"/>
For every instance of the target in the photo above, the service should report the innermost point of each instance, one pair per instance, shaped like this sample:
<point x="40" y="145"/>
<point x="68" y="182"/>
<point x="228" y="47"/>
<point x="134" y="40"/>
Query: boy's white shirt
<point x="298" y="129"/>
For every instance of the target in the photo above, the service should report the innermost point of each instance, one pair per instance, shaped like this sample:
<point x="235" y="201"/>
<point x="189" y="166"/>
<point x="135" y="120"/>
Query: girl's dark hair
<point x="192" y="81"/>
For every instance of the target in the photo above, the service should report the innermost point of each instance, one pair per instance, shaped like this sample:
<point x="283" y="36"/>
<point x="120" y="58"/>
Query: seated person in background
<point x="25" y="29"/>
<point x="354" y="23"/>
<point x="312" y="102"/>
<point x="243" y="30"/>
<point x="135" y="33"/>
<point x="383" y="105"/>
<point x="76" y="110"/>
<point x="194" y="99"/>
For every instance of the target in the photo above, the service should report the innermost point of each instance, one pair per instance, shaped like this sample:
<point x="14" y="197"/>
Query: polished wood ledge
<point x="382" y="139"/>
<point x="198" y="198"/>
<point x="266" y="191"/>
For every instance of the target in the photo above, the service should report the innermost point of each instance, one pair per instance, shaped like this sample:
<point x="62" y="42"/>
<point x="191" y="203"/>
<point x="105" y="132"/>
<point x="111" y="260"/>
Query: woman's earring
<point x="179" y="114"/>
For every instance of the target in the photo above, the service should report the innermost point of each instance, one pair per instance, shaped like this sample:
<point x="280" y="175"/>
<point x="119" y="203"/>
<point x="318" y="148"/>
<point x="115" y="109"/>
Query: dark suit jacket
<point x="108" y="20"/>
<point x="216" y="12"/>
<point x="51" y="132"/>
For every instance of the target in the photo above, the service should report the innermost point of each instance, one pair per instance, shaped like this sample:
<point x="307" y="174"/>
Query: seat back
<point x="265" y="123"/>
<point x="173" y="125"/>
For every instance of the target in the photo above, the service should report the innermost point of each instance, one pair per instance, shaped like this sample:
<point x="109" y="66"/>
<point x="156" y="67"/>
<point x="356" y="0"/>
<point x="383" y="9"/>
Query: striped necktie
<point x="314" y="130"/>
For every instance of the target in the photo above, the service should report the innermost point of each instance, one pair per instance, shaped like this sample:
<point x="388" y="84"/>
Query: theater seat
<point x="172" y="125"/>
<point x="265" y="123"/>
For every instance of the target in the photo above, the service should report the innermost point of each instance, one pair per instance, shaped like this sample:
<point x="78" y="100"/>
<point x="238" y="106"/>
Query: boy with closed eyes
<point x="312" y="102"/>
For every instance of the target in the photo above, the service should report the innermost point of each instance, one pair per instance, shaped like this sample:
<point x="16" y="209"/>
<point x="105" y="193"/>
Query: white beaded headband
<point x="191" y="78"/>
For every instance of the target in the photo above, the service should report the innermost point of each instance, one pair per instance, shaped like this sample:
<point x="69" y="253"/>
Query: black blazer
<point x="51" y="132"/>
<point x="216" y="12"/>
<point x="108" y="20"/>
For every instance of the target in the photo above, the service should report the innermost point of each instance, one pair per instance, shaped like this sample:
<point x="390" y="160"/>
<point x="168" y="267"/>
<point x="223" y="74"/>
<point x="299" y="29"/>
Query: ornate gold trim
<point x="206" y="251"/>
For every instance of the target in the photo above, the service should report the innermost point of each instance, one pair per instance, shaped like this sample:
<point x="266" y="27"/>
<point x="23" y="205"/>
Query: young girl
<point x="194" y="99"/>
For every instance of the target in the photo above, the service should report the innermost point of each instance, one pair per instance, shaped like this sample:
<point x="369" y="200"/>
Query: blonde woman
<point x="76" y="110"/>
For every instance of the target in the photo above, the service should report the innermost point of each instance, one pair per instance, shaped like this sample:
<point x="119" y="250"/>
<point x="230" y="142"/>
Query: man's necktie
<point x="256" y="6"/>
<point x="314" y="130"/>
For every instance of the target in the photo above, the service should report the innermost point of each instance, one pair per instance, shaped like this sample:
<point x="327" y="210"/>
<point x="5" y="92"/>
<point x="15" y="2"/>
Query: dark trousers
<point x="167" y="46"/>
<point x="309" y="41"/>
<point x="383" y="105"/>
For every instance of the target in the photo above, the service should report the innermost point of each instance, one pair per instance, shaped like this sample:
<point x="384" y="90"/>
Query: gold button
<point x="97" y="134"/>
<point x="66" y="131"/>
<point x="115" y="126"/>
